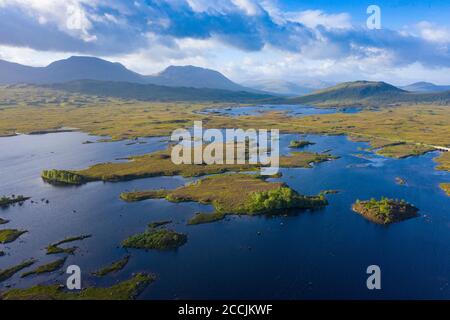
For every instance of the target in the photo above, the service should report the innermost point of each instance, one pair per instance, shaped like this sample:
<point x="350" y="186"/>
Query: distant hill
<point x="151" y="92"/>
<point x="280" y="87"/>
<point x="91" y="68"/>
<point x="73" y="68"/>
<point x="368" y="93"/>
<point x="425" y="87"/>
<point x="194" y="77"/>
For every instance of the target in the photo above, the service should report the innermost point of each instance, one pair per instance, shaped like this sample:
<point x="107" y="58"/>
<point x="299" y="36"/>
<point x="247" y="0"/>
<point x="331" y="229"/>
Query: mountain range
<point x="425" y="87"/>
<point x="91" y="68"/>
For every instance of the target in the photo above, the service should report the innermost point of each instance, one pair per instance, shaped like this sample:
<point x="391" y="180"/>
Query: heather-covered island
<point x="159" y="239"/>
<point x="385" y="211"/>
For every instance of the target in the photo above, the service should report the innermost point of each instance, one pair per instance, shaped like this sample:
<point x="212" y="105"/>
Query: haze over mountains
<point x="425" y="87"/>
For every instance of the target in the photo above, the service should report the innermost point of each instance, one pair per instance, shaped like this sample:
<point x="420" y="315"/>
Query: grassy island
<point x="234" y="194"/>
<point x="46" y="268"/>
<point x="10" y="235"/>
<point x="159" y="163"/>
<point x="297" y="144"/>
<point x="446" y="188"/>
<point x="125" y="290"/>
<point x="63" y="177"/>
<point x="159" y="239"/>
<point x="385" y="211"/>
<point x="5" y="274"/>
<point x="54" y="248"/>
<point x="7" y="201"/>
<point x="114" y="267"/>
<point x="201" y="218"/>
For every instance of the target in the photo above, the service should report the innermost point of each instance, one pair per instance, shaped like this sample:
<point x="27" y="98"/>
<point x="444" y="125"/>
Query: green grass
<point x="201" y="218"/>
<point x="10" y="235"/>
<point x="5" y="274"/>
<point x="62" y="177"/>
<point x="234" y="194"/>
<point x="46" y="268"/>
<point x="297" y="144"/>
<point x="125" y="290"/>
<point x="385" y="211"/>
<point x="54" y="248"/>
<point x="114" y="267"/>
<point x="159" y="239"/>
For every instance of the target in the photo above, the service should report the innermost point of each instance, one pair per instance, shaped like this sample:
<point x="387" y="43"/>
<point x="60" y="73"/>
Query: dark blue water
<point x="322" y="254"/>
<point x="291" y="110"/>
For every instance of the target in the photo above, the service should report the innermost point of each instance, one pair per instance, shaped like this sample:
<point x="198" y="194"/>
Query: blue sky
<point x="302" y="41"/>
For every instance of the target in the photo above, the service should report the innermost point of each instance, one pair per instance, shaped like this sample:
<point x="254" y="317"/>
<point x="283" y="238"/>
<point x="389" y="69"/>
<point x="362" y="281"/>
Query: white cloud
<point x="432" y="32"/>
<point x="314" y="18"/>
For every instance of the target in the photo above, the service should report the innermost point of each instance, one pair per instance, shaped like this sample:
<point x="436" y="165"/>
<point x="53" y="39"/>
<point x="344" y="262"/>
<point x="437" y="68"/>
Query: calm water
<point x="291" y="110"/>
<point x="321" y="254"/>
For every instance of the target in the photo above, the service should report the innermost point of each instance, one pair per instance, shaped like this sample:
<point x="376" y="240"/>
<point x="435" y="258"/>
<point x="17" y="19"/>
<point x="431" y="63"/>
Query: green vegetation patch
<point x="446" y="188"/>
<point x="404" y="150"/>
<point x="125" y="290"/>
<point x="201" y="218"/>
<point x="236" y="194"/>
<point x="7" y="201"/>
<point x="297" y="144"/>
<point x="10" y="235"/>
<point x="114" y="267"/>
<point x="46" y="268"/>
<point x="159" y="239"/>
<point x="5" y="274"/>
<point x="54" y="248"/>
<point x="385" y="211"/>
<point x="62" y="177"/>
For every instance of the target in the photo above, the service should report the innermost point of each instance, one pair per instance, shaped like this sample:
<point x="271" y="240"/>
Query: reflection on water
<point x="322" y="254"/>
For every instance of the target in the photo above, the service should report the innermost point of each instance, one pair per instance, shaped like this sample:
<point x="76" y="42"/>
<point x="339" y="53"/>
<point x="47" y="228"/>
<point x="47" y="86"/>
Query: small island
<point x="10" y="235"/>
<point x="5" y="274"/>
<point x="55" y="248"/>
<point x="446" y="188"/>
<point x="3" y="221"/>
<point x="46" y="268"/>
<point x="114" y="267"/>
<point x="157" y="224"/>
<point x="7" y="201"/>
<point x="297" y="144"/>
<point x="385" y="211"/>
<point x="125" y="290"/>
<point x="159" y="239"/>
<point x="62" y="177"/>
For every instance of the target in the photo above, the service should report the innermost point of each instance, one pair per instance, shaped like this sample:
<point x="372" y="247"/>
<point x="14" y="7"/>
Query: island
<point x="46" y="268"/>
<point x="114" y="267"/>
<point x="10" y="235"/>
<point x="7" y="201"/>
<point x="159" y="163"/>
<point x="297" y="144"/>
<point x="126" y="290"/>
<point x="5" y="274"/>
<point x="446" y="188"/>
<point x="385" y="211"/>
<point x="160" y="239"/>
<point x="3" y="221"/>
<point x="239" y="194"/>
<point x="54" y="248"/>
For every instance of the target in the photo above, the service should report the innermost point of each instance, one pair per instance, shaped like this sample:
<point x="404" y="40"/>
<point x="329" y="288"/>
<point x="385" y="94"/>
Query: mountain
<point x="151" y="92"/>
<point x="425" y="87"/>
<point x="276" y="86"/>
<point x="73" y="68"/>
<point x="286" y="88"/>
<point x="368" y="93"/>
<point x="194" y="77"/>
<point x="91" y="68"/>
